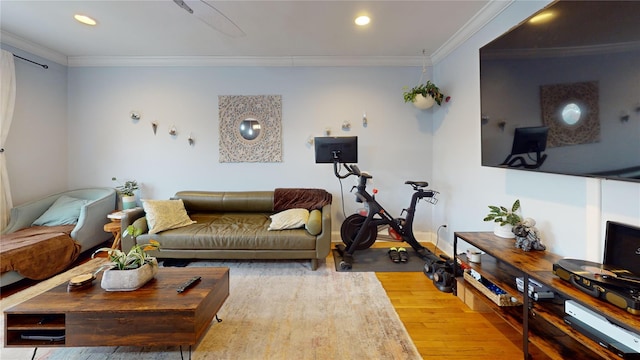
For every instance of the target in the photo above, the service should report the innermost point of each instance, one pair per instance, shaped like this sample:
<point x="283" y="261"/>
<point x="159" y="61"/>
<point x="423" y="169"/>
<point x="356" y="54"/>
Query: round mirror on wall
<point x="571" y="114"/>
<point x="249" y="128"/>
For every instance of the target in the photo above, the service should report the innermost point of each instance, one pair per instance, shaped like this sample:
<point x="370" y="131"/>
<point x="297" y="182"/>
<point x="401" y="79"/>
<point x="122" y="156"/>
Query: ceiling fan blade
<point x="212" y="17"/>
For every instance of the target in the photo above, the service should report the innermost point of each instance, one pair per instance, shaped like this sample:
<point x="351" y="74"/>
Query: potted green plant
<point x="423" y="96"/>
<point x="129" y="271"/>
<point x="127" y="192"/>
<point x="505" y="219"/>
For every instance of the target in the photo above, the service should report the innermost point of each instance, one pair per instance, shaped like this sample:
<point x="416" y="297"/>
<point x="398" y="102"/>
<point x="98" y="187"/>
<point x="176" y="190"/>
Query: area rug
<point x="281" y="310"/>
<point x="377" y="260"/>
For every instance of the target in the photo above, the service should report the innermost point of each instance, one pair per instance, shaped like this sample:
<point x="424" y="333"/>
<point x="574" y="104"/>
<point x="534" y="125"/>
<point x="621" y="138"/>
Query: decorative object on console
<point x="505" y="219"/>
<point x="127" y="192"/>
<point x="528" y="236"/>
<point x="131" y="270"/>
<point x="250" y="128"/>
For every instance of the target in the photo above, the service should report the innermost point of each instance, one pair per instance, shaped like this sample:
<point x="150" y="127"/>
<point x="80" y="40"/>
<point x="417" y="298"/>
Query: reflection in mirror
<point x="249" y="128"/>
<point x="574" y="74"/>
<point x="571" y="114"/>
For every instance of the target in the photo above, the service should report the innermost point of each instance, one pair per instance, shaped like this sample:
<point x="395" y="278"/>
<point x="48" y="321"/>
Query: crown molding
<point x="275" y="61"/>
<point x="477" y="22"/>
<point x="32" y="48"/>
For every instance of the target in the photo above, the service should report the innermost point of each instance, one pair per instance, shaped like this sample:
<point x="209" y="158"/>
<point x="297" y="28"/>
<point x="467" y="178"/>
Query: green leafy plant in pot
<point x="505" y="219"/>
<point x="127" y="191"/>
<point x="424" y="95"/>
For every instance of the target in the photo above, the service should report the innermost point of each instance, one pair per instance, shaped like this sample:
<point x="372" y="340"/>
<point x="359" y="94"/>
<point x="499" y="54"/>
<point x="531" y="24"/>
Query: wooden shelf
<point x="544" y="325"/>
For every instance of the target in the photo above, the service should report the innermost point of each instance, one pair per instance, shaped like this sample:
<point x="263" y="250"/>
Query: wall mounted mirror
<point x="250" y="128"/>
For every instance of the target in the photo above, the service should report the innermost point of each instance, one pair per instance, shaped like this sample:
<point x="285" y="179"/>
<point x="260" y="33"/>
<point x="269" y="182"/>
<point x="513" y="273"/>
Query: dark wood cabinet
<point x="541" y="323"/>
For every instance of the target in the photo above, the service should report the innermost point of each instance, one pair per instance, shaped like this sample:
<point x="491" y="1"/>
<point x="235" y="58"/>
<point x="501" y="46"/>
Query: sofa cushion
<point x="314" y="223"/>
<point x="231" y="231"/>
<point x="64" y="211"/>
<point x="289" y="219"/>
<point x="165" y="214"/>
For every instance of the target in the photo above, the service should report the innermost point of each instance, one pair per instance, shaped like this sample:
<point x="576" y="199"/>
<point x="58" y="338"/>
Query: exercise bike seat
<point x="417" y="184"/>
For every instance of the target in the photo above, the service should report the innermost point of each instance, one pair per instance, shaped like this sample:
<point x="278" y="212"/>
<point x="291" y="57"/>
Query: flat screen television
<point x="340" y="149"/>
<point x="622" y="247"/>
<point x="576" y="74"/>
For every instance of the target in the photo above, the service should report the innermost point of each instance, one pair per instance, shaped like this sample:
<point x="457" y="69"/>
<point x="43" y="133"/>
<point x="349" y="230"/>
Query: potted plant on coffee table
<point x="129" y="271"/>
<point x="423" y="96"/>
<point x="505" y="219"/>
<point x="127" y="192"/>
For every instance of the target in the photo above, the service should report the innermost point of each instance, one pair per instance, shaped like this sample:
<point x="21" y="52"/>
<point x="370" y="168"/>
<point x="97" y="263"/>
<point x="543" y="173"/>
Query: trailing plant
<point x="504" y="216"/>
<point x="425" y="90"/>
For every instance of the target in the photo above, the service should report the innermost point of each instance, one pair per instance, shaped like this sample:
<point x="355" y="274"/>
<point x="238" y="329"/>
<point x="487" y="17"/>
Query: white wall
<point x="104" y="142"/>
<point x="36" y="147"/>
<point x="570" y="211"/>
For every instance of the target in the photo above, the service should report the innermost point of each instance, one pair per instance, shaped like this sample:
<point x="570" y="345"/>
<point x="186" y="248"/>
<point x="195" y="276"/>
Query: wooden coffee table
<point x="154" y="315"/>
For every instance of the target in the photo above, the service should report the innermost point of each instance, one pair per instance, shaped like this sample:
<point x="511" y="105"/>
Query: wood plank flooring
<point x="441" y="325"/>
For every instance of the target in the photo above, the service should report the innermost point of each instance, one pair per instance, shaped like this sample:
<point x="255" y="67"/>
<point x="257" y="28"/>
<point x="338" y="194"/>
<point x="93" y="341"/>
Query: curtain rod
<point x="44" y="66"/>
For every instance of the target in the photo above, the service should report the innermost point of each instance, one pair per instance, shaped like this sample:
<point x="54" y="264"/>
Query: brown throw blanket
<point x="38" y="252"/>
<point x="294" y="198"/>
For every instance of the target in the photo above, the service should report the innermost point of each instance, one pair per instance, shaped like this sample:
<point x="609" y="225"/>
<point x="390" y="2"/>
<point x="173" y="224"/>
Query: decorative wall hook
<point x="502" y="124"/>
<point x="624" y="116"/>
<point x="327" y="131"/>
<point x="191" y="140"/>
<point x="364" y="119"/>
<point x="173" y="131"/>
<point x="154" y="126"/>
<point x="135" y="116"/>
<point x="310" y="140"/>
<point x="346" y="126"/>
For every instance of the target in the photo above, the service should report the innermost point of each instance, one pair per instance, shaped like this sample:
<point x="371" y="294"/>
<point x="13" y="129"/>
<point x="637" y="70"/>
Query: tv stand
<point x="541" y="323"/>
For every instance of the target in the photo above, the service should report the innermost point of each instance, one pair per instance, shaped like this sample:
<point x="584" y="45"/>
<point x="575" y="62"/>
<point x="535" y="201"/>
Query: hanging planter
<point x="423" y="102"/>
<point x="424" y="96"/>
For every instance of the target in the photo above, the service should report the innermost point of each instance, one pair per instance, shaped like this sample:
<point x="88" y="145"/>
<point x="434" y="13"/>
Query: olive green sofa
<point x="234" y="225"/>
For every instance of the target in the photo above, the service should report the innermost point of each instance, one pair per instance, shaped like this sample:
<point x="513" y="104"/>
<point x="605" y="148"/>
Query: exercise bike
<point x="359" y="232"/>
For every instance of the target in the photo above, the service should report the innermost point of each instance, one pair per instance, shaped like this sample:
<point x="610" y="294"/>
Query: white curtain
<point x="7" y="103"/>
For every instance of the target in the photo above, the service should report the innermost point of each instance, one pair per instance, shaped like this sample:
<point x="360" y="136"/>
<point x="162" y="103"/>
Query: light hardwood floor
<point x="441" y="325"/>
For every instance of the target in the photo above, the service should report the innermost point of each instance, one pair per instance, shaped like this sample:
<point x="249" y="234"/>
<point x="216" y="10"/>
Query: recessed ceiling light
<point x="542" y="17"/>
<point x="362" y="20"/>
<point x="84" y="19"/>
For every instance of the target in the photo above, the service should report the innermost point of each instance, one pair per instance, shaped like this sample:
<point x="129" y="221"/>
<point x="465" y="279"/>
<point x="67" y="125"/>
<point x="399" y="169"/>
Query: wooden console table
<point x="540" y="322"/>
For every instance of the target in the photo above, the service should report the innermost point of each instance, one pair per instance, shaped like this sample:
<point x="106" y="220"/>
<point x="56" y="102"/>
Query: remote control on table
<point x="188" y="284"/>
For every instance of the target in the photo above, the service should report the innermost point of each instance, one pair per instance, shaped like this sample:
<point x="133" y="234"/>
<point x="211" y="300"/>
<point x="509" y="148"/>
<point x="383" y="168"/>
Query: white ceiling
<point x="275" y="31"/>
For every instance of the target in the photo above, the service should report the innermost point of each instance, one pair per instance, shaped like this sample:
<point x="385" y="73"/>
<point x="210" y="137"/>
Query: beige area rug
<point x="282" y="310"/>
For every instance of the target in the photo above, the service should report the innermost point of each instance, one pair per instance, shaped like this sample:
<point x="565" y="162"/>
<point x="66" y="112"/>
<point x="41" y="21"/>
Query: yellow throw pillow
<point x="314" y="224"/>
<point x="289" y="219"/>
<point x="165" y="214"/>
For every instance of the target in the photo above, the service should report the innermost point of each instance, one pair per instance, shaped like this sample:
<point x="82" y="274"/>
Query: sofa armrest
<point x="23" y="215"/>
<point x="127" y="240"/>
<point x="89" y="230"/>
<point x="323" y="240"/>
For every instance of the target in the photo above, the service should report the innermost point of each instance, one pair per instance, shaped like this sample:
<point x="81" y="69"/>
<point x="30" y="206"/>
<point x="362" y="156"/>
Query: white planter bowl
<point x="423" y="103"/>
<point x="129" y="280"/>
<point x="504" y="231"/>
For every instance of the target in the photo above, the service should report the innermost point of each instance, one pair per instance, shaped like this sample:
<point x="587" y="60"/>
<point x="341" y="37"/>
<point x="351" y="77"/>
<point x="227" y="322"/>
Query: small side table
<point x="115" y="228"/>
